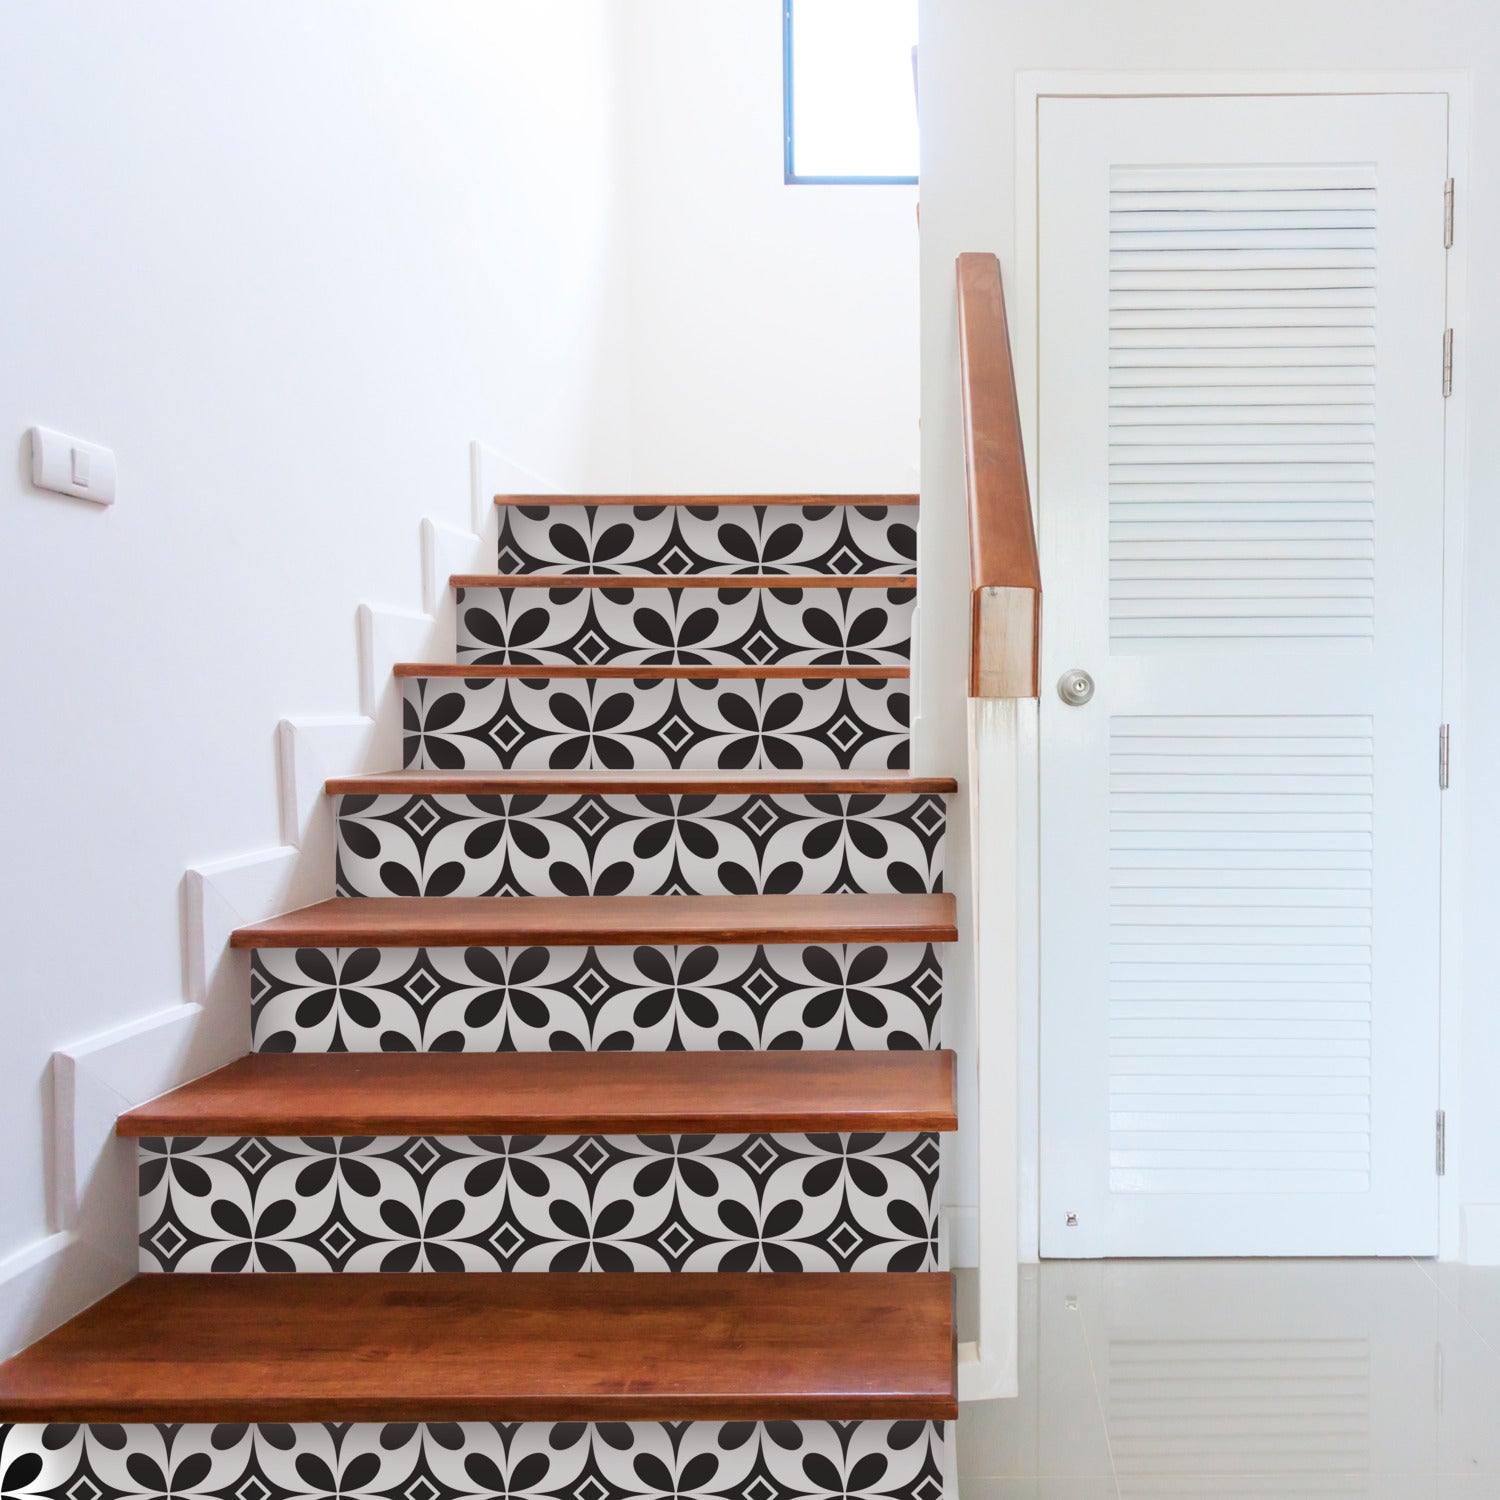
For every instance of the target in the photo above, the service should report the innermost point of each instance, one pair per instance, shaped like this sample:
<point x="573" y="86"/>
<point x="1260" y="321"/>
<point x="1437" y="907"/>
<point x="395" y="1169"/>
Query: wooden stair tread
<point x="474" y="1347"/>
<point x="680" y="581"/>
<point x="475" y="670"/>
<point x="633" y="783"/>
<point x="557" y="1093"/>
<point x="706" y="501"/>
<point x="576" y="921"/>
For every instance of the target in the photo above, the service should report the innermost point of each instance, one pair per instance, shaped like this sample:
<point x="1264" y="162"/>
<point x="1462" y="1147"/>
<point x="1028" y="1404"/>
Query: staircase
<point x="633" y="968"/>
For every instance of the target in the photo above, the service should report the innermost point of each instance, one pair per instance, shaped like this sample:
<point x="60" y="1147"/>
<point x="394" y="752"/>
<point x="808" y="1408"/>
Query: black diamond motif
<point x="590" y="986"/>
<point x="252" y="1156"/>
<point x="927" y="1488"/>
<point x="590" y="1156"/>
<point x="927" y="1153"/>
<point x="760" y="817"/>
<point x="676" y="1239"/>
<point x="760" y="985"/>
<point x="591" y="647"/>
<point x="675" y="733"/>
<point x="422" y="1156"/>
<point x="845" y="733"/>
<point x="507" y="731"/>
<point x="760" y="648"/>
<point x="590" y="816"/>
<point x="929" y="815"/>
<point x="760" y="1156"/>
<point x="336" y="1240"/>
<point x="421" y="816"/>
<point x="928" y="985"/>
<point x="845" y="1240"/>
<point x="421" y="986"/>
<point x="507" y="1239"/>
<point x="168" y="1241"/>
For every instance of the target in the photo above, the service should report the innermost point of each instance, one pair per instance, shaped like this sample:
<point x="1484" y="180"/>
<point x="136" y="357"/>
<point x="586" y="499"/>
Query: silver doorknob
<point x="1075" y="687"/>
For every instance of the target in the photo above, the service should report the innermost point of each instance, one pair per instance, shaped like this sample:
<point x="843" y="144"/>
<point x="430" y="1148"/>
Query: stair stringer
<point x="91" y="1248"/>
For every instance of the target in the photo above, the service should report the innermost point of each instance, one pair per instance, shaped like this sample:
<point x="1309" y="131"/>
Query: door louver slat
<point x="1242" y="404"/>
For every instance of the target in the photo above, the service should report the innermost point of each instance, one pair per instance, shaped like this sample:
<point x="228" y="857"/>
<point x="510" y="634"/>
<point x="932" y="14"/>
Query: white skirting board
<point x="93" y="1246"/>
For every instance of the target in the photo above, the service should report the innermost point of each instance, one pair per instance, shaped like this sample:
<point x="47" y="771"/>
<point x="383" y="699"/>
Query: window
<point x="849" y="90"/>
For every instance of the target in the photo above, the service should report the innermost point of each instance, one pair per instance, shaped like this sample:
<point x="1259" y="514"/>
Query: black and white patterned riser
<point x="804" y="1460"/>
<point x="849" y="997"/>
<point x="691" y="626"/>
<point x="654" y="724"/>
<point x="615" y="845"/>
<point x="673" y="540"/>
<point x="541" y="1203"/>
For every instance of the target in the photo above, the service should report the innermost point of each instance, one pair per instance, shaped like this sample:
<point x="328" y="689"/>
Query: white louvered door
<point x="1240" y="481"/>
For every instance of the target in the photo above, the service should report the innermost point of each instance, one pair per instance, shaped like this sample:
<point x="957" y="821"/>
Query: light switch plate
<point x="72" y="466"/>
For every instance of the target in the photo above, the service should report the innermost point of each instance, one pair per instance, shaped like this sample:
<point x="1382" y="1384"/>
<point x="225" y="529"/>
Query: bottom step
<point x="612" y="1347"/>
<point x="786" y="1460"/>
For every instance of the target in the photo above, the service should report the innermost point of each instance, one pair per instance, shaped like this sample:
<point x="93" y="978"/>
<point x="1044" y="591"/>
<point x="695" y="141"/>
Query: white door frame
<point x="1031" y="88"/>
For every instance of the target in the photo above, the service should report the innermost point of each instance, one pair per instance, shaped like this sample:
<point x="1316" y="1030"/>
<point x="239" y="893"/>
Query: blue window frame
<point x="848" y="90"/>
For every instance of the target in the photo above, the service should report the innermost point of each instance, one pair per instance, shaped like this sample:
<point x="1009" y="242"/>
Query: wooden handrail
<point x="1004" y="573"/>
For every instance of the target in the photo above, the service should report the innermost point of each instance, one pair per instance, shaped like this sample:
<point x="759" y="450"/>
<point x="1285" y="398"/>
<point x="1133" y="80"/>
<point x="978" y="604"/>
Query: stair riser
<point x="826" y="627"/>
<point x="723" y="723"/>
<point x="861" y="997"/>
<point x="575" y="845"/>
<point x="481" y="1460"/>
<point x="541" y="1203"/>
<point x="836" y="540"/>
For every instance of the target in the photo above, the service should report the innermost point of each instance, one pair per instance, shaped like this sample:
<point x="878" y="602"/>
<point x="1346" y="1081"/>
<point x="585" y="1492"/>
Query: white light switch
<point x="72" y="466"/>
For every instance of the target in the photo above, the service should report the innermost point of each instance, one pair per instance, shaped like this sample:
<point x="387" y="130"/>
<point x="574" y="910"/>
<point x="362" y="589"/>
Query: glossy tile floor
<point x="1158" y="1380"/>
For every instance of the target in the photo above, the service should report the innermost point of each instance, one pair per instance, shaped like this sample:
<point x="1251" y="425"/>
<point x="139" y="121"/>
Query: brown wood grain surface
<point x="556" y="1093"/>
<point x="641" y="674"/>
<point x="1002" y="537"/>
<point x="471" y="1347"/>
<point x="640" y="783"/>
<point x="676" y="581"/>
<point x="573" y="921"/>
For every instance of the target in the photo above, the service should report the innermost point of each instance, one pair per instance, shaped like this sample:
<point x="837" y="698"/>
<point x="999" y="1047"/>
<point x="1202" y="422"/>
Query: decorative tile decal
<point x="653" y="724"/>
<point x="860" y="997"/>
<point x="613" y="845"/>
<point x="679" y="539"/>
<point x="825" y="627"/>
<point x="541" y="1203"/>
<point x="803" y="1460"/>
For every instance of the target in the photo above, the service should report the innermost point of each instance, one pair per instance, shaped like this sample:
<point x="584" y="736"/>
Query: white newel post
<point x="1002" y="745"/>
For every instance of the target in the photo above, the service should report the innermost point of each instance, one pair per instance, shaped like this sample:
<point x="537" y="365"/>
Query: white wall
<point x="287" y="259"/>
<point x="970" y="53"/>
<point x="774" y="328"/>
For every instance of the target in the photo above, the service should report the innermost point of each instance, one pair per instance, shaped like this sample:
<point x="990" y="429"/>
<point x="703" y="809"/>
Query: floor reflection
<point x="1147" y="1379"/>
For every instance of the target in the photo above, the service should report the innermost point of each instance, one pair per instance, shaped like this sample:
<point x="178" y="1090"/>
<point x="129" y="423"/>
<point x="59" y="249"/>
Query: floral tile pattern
<point x="860" y="997"/>
<point x="805" y="1460"/>
<point x="541" y="1203"/>
<point x="614" y="845"/>
<point x="655" y="626"/>
<point x="652" y="724"/>
<point x="729" y="539"/>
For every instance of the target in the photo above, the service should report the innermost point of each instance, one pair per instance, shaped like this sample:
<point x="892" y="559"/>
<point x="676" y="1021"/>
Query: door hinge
<point x="1448" y="214"/>
<point x="1442" y="757"/>
<point x="1442" y="1143"/>
<point x="1447" y="361"/>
